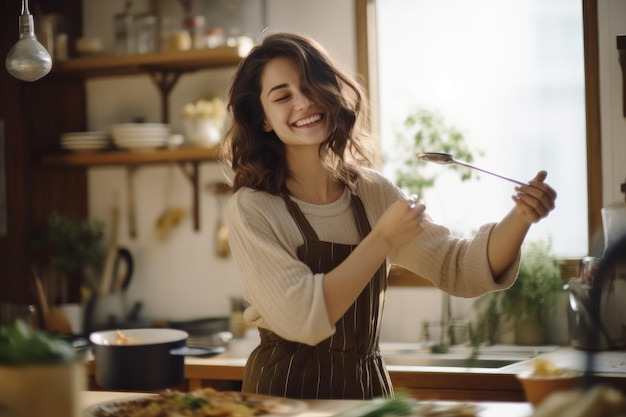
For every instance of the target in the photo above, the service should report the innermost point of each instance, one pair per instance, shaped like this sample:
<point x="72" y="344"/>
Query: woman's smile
<point x="307" y="121"/>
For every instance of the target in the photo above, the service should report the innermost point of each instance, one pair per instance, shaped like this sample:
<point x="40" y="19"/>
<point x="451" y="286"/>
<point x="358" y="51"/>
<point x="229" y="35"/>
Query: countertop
<point x="605" y="363"/>
<point x="326" y="408"/>
<point x="424" y="382"/>
<point x="444" y="383"/>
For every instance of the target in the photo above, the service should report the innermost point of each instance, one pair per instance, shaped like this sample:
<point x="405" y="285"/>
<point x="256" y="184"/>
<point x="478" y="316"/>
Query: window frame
<point x="365" y="22"/>
<point x="365" y="26"/>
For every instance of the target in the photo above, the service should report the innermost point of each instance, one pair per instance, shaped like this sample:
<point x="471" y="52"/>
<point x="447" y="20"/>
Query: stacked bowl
<point x="84" y="141"/>
<point x="140" y="136"/>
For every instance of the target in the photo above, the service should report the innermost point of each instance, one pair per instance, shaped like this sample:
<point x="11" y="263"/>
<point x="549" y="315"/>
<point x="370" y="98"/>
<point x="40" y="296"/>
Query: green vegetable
<point x="192" y="401"/>
<point x="398" y="406"/>
<point x="22" y="345"/>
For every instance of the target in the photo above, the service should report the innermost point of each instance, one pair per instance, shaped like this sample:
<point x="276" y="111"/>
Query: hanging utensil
<point x="109" y="263"/>
<point x="122" y="270"/>
<point x="446" y="158"/>
<point x="172" y="215"/>
<point x="132" y="209"/>
<point x="54" y="319"/>
<point x="222" y="247"/>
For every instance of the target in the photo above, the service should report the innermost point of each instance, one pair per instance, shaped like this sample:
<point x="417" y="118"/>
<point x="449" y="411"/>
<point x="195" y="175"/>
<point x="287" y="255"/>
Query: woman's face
<point x="291" y="111"/>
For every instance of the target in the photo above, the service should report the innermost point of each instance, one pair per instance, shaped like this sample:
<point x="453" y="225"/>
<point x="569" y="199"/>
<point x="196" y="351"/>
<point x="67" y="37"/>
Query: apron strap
<point x="303" y="224"/>
<point x="360" y="216"/>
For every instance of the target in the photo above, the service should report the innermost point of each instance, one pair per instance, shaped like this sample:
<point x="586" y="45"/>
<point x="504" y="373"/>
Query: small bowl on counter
<point x="538" y="387"/>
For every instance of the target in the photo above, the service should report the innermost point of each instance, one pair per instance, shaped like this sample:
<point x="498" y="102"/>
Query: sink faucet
<point x="444" y="338"/>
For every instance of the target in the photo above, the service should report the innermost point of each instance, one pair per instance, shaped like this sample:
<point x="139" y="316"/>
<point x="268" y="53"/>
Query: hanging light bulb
<point x="28" y="60"/>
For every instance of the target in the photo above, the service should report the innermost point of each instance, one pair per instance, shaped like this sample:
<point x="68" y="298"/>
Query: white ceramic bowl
<point x="89" y="45"/>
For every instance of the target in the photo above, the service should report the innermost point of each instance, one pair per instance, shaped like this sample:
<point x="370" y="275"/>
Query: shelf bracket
<point x="132" y="209"/>
<point x="165" y="81"/>
<point x="191" y="170"/>
<point x="621" y="47"/>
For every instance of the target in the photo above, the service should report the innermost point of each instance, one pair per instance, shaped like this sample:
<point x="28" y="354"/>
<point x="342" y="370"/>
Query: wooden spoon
<point x="109" y="262"/>
<point x="54" y="319"/>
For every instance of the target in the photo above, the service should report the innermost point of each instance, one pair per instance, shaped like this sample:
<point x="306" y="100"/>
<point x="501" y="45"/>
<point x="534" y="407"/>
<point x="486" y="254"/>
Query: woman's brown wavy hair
<point x="257" y="158"/>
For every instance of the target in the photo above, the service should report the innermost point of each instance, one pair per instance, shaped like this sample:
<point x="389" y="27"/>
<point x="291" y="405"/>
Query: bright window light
<point x="510" y="76"/>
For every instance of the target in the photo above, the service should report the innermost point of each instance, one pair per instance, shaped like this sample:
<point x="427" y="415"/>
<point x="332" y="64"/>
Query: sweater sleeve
<point x="284" y="295"/>
<point x="456" y="265"/>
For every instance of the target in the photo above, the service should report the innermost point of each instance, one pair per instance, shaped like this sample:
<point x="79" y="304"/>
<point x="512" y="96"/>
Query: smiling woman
<point x="512" y="78"/>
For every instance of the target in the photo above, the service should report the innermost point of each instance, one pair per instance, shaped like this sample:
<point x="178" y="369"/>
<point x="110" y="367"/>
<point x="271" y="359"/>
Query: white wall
<point x="182" y="278"/>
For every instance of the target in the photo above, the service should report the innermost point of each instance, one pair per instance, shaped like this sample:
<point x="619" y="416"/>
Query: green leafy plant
<point x="71" y="245"/>
<point x="533" y="296"/>
<point x="22" y="345"/>
<point x="427" y="131"/>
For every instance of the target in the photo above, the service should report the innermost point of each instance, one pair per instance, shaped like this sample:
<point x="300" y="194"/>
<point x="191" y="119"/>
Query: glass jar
<point x="195" y="27"/>
<point x="125" y="37"/>
<point x="146" y="32"/>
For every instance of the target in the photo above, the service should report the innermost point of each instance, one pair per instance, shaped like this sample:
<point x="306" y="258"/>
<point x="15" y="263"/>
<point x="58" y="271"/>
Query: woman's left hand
<point x="535" y="200"/>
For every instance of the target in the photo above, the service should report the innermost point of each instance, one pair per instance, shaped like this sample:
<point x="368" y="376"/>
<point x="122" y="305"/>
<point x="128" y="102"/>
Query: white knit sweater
<point x="287" y="298"/>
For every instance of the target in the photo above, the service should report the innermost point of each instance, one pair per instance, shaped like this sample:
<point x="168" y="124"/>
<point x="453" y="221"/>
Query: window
<point x="510" y="76"/>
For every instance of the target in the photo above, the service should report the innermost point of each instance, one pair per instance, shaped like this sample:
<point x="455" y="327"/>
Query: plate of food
<point x="198" y="403"/>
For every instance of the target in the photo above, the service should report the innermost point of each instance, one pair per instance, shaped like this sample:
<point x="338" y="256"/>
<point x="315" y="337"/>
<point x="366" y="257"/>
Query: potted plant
<point x="69" y="249"/>
<point x="528" y="303"/>
<point x="425" y="131"/>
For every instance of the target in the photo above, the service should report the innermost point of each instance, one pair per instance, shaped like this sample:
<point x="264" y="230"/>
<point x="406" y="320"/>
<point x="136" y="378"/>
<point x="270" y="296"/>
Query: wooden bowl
<point x="538" y="387"/>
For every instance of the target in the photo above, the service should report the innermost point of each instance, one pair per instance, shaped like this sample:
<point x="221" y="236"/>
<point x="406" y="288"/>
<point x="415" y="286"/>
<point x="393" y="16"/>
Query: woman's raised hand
<point x="401" y="221"/>
<point x="535" y="200"/>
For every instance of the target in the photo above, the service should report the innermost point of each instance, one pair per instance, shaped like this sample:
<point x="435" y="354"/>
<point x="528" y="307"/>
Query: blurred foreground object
<point x="40" y="375"/>
<point x="599" y="401"/>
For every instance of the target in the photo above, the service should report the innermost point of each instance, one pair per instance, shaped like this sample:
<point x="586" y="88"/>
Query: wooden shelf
<point x="188" y="158"/>
<point x="165" y="68"/>
<point x="166" y="61"/>
<point x="86" y="159"/>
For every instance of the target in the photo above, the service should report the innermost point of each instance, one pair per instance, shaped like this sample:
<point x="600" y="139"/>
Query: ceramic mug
<point x="42" y="390"/>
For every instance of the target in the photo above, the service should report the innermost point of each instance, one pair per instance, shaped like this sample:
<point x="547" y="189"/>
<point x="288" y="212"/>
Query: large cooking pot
<point x="143" y="359"/>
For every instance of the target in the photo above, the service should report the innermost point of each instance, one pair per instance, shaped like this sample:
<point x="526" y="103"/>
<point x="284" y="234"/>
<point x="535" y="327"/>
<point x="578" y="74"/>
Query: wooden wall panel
<point x="35" y="114"/>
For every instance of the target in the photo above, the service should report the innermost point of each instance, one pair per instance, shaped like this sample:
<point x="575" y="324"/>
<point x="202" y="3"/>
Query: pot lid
<point x="136" y="337"/>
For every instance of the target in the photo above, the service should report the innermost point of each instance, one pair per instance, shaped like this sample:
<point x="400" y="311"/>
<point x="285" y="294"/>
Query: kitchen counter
<point x="443" y="383"/>
<point x="326" y="408"/>
<point x="225" y="371"/>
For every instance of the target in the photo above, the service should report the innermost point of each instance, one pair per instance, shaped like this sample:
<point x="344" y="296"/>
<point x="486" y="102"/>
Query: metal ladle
<point x="446" y="158"/>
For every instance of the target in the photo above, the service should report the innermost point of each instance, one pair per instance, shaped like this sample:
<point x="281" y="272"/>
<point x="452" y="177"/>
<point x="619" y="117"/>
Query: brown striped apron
<point x="348" y="364"/>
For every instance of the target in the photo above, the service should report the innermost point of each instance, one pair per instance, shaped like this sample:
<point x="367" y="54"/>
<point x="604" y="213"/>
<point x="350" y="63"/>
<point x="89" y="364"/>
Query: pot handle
<point x="197" y="351"/>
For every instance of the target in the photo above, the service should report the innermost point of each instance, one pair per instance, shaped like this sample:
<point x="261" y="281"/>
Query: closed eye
<point x="283" y="98"/>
